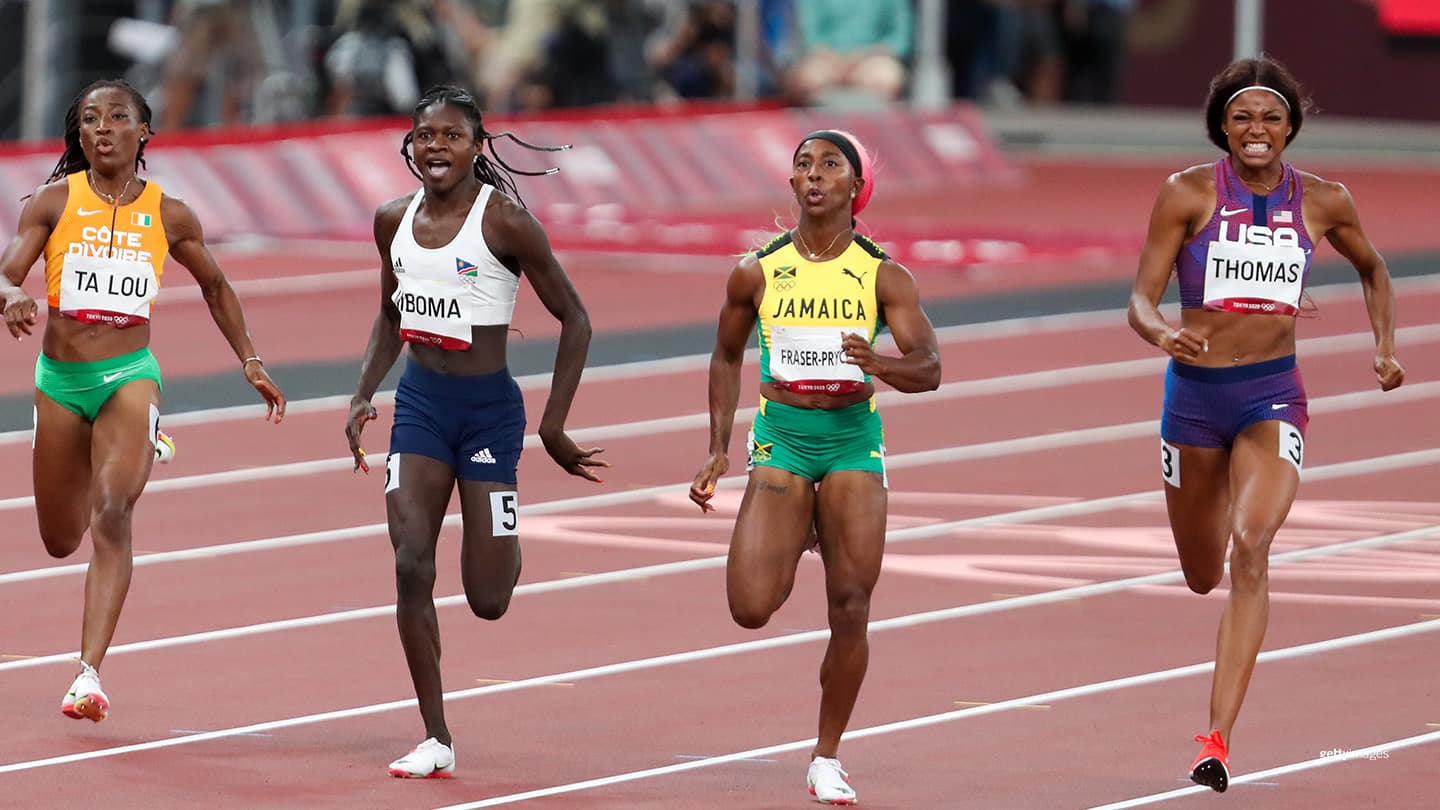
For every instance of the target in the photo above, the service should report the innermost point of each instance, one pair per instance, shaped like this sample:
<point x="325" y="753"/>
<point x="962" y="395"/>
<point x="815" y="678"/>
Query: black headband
<point x="841" y="142"/>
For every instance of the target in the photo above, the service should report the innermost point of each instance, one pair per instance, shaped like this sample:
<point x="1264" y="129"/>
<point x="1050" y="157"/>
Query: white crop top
<point x="441" y="292"/>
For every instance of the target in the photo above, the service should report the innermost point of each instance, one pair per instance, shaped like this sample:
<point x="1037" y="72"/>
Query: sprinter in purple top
<point x="1254" y="253"/>
<point x="1239" y="234"/>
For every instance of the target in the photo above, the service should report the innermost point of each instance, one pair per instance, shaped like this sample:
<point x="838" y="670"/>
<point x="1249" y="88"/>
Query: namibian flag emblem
<point x="140" y="220"/>
<point x="466" y="269"/>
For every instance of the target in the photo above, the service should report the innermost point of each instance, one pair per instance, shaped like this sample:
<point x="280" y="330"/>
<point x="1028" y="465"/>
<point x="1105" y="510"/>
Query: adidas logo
<point x="482" y="456"/>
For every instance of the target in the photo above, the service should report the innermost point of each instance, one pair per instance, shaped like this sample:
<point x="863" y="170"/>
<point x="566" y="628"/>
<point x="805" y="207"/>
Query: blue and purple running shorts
<point x="1209" y="407"/>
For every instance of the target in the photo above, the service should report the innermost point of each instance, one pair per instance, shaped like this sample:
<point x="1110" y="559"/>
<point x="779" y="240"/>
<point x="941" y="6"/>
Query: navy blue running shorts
<point x="476" y="424"/>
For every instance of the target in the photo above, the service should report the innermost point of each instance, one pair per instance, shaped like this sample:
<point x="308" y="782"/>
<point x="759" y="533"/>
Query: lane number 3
<point x="1170" y="463"/>
<point x="1292" y="445"/>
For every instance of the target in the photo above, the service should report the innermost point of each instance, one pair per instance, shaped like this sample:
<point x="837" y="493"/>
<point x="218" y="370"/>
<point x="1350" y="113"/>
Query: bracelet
<point x="246" y="361"/>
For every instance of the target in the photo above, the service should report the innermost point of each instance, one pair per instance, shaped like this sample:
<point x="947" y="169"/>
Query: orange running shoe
<point x="164" y="447"/>
<point x="1212" y="767"/>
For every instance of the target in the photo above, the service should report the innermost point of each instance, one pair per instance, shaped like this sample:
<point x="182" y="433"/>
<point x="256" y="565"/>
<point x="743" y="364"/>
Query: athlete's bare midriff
<point x="1238" y="338"/>
<point x="70" y="341"/>
<point x="824" y="402"/>
<point x="485" y="355"/>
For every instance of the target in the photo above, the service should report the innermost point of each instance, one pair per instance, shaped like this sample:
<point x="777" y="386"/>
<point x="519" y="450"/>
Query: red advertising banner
<point x="636" y="183"/>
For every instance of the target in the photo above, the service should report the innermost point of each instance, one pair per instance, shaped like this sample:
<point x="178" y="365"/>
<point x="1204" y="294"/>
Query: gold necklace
<point x="1268" y="188"/>
<point x="113" y="198"/>
<point x="812" y="253"/>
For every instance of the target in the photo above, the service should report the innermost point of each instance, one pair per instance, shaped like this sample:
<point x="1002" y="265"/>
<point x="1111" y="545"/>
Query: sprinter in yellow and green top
<point x="807" y="308"/>
<point x="818" y="293"/>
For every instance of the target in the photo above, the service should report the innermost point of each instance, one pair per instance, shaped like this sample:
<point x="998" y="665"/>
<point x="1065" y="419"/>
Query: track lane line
<point x="1144" y="679"/>
<point x="645" y="369"/>
<point x="960" y="453"/>
<point x="790" y="639"/>
<point x="650" y="427"/>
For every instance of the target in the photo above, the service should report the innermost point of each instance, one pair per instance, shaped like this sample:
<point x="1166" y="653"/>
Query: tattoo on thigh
<point x="766" y="486"/>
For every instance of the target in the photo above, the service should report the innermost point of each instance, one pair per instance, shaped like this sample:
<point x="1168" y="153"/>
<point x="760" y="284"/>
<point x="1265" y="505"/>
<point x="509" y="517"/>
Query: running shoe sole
<point x="833" y="802"/>
<point x="90" y="707"/>
<point x="1211" y="773"/>
<point x="438" y="773"/>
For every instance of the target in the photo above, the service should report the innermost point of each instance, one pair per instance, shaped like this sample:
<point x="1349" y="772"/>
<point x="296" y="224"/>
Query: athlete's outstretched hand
<point x="361" y="411"/>
<point x="704" y="487"/>
<point x="257" y="376"/>
<point x="574" y="459"/>
<point x="1388" y="371"/>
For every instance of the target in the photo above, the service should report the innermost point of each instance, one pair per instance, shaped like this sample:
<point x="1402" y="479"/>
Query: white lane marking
<point x="769" y="643"/>
<point x="1070" y="438"/>
<point x="895" y="536"/>
<point x="887" y="399"/>
<point x="1084" y="690"/>
<point x="641" y="369"/>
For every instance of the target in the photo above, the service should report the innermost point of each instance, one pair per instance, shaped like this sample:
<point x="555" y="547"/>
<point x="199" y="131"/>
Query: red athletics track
<point x="997" y="680"/>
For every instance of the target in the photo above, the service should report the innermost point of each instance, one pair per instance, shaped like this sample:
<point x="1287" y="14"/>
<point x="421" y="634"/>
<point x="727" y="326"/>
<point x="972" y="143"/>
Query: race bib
<point x="810" y="359"/>
<point x="104" y="290"/>
<point x="1292" y="445"/>
<point x="434" y="312"/>
<point x="1266" y="279"/>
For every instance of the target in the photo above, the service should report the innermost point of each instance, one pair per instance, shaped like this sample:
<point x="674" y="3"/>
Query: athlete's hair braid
<point x="491" y="170"/>
<point x="73" y="158"/>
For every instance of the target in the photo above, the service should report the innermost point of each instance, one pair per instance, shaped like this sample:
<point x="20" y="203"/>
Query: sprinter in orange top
<point x="105" y="233"/>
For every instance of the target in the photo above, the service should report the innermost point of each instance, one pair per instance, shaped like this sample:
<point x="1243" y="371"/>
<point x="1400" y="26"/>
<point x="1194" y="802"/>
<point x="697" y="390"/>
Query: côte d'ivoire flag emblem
<point x="466" y="269"/>
<point x="140" y="220"/>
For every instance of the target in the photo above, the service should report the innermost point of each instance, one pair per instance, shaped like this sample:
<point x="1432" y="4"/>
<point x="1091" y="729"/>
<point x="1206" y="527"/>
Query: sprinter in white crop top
<point x="451" y="256"/>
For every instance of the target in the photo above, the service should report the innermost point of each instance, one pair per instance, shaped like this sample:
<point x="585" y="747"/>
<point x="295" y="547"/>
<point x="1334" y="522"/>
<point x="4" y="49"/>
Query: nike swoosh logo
<point x="1226" y="212"/>
<point x="1278" y="407"/>
<point x="109" y="378"/>
<point x="85" y="212"/>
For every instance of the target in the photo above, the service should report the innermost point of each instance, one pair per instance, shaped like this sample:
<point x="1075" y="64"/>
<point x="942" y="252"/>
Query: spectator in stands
<point x="1095" y="48"/>
<point x="212" y="31"/>
<point x="1032" y="51"/>
<point x="385" y="51"/>
<point x="778" y="45"/>
<point x="972" y="47"/>
<point x="857" y="45"/>
<point x="474" y="27"/>
<point x="696" y="54"/>
<point x="517" y="51"/>
<point x="594" y="55"/>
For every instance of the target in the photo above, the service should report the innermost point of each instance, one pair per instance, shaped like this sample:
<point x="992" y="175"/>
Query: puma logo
<point x="860" y="279"/>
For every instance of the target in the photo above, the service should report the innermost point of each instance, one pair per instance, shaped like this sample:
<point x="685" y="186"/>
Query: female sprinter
<point x="1239" y="235"/>
<point x="451" y="259"/>
<point x="816" y="453"/>
<point x="104" y="233"/>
